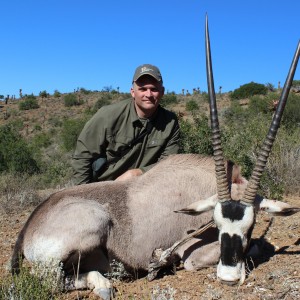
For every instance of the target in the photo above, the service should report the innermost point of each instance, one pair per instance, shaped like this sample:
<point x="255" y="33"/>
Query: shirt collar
<point x="134" y="116"/>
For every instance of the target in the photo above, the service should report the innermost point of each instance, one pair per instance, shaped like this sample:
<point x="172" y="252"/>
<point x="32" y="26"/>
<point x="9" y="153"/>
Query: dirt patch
<point x="273" y="274"/>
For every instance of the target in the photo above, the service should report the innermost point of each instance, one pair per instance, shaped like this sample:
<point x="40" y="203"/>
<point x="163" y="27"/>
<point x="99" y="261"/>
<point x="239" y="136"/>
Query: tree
<point x="249" y="89"/>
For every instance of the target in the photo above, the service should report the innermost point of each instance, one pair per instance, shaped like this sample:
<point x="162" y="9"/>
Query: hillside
<point x="53" y="108"/>
<point x="271" y="274"/>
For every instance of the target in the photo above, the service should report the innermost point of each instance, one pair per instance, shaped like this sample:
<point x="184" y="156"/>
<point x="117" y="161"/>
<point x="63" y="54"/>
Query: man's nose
<point x="148" y="93"/>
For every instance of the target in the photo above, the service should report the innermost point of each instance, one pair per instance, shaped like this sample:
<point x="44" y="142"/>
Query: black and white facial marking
<point x="235" y="222"/>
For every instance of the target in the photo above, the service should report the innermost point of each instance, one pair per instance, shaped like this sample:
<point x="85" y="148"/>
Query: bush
<point x="55" y="121"/>
<point x="43" y="94"/>
<point x="56" y="94"/>
<point x="191" y="105"/>
<point x="196" y="136"/>
<point x="259" y="104"/>
<point x="235" y="114"/>
<point x="101" y="102"/>
<point x="28" y="103"/>
<point x="205" y="97"/>
<point x="15" y="154"/>
<point x="243" y="147"/>
<point x="85" y="91"/>
<point x="41" y="140"/>
<point x="114" y="92"/>
<point x="19" y="191"/>
<point x="248" y="90"/>
<point x="56" y="172"/>
<point x="70" y="131"/>
<point x="296" y="83"/>
<point x="291" y="115"/>
<point x="168" y="99"/>
<point x="45" y="284"/>
<point x="72" y="100"/>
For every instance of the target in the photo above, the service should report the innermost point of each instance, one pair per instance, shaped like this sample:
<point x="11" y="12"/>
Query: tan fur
<point x="125" y="221"/>
<point x="127" y="218"/>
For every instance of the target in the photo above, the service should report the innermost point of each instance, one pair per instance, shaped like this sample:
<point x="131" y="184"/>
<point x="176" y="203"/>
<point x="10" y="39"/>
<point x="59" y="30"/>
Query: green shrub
<point x="15" y="154"/>
<point x="43" y="285"/>
<point x="70" y="131"/>
<point x="270" y="87"/>
<point x="196" y="136"/>
<point x="291" y="115"/>
<point x="114" y="92"/>
<point x="55" y="121"/>
<point x="57" y="171"/>
<point x="41" y="140"/>
<point x="244" y="129"/>
<point x="168" y="99"/>
<point x="72" y="100"/>
<point x="296" y="83"/>
<point x="248" y="90"/>
<point x="37" y="127"/>
<point x="85" y="91"/>
<point x="16" y="124"/>
<point x="259" y="104"/>
<point x="191" y="105"/>
<point x="28" y="103"/>
<point x="101" y="102"/>
<point x="235" y="114"/>
<point x="205" y="96"/>
<point x="43" y="94"/>
<point x="242" y="139"/>
<point x="56" y="94"/>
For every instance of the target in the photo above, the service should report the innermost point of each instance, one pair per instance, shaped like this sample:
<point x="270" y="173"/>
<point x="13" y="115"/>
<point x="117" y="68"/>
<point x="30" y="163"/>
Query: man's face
<point x="147" y="93"/>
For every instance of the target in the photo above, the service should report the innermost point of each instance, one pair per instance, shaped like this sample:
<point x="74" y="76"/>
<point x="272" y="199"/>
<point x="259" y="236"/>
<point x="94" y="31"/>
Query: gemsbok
<point x="142" y="222"/>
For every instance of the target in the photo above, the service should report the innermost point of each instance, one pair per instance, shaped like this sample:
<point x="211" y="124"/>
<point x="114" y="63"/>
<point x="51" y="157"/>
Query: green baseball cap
<point x="147" y="69"/>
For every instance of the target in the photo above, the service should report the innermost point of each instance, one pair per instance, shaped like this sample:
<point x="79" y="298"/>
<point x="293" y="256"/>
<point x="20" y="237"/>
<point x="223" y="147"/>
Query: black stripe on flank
<point x="233" y="210"/>
<point x="231" y="249"/>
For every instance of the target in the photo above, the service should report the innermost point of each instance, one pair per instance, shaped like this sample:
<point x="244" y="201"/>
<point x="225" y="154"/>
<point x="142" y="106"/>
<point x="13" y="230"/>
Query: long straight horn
<point x="263" y="154"/>
<point x="222" y="183"/>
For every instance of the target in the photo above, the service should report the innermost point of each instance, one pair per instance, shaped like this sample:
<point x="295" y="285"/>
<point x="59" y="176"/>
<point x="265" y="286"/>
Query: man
<point x="126" y="139"/>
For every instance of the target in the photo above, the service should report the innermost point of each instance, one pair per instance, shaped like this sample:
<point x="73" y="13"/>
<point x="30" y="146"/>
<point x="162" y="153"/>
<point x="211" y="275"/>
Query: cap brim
<point x="146" y="73"/>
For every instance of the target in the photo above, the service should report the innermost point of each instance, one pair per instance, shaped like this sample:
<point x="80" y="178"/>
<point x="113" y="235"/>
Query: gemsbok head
<point x="235" y="219"/>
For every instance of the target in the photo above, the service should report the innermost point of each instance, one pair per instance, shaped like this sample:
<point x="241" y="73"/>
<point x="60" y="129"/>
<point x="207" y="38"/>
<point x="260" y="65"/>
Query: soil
<point x="273" y="274"/>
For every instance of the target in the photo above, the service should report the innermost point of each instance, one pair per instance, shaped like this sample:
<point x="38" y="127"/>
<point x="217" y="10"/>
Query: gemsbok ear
<point x="199" y="207"/>
<point x="277" y="208"/>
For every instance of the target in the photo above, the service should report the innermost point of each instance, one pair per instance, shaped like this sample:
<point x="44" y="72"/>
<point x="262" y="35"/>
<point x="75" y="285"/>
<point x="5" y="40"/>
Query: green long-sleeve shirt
<point x="108" y="134"/>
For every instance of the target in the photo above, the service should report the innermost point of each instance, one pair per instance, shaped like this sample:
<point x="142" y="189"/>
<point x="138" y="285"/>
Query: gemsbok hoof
<point x="104" y="293"/>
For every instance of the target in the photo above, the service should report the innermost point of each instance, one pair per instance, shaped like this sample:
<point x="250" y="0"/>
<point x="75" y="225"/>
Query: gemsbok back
<point x="85" y="227"/>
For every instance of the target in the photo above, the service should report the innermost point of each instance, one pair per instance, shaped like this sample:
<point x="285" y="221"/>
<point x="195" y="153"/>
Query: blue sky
<point x="64" y="44"/>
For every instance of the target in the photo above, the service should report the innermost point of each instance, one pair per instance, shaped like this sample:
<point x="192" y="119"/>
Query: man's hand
<point x="129" y="174"/>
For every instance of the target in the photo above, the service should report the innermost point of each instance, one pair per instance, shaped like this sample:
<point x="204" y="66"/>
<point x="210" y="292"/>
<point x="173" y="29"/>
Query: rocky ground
<point x="274" y="274"/>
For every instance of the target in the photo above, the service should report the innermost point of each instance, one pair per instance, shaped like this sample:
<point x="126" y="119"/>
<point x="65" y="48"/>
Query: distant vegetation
<point x="248" y="90"/>
<point x="29" y="102"/>
<point x="37" y="150"/>
<point x="72" y="100"/>
<point x="38" y="136"/>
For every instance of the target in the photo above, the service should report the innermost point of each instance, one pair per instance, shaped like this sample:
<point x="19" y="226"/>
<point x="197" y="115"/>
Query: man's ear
<point x="162" y="90"/>
<point x="132" y="91"/>
<point x="198" y="207"/>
